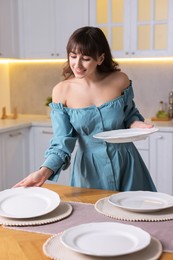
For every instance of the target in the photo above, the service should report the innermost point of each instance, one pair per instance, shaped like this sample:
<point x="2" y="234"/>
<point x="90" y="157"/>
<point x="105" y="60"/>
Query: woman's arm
<point x="57" y="156"/>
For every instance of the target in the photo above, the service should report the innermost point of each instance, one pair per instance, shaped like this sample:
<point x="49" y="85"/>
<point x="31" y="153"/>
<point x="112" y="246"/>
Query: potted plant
<point x="47" y="102"/>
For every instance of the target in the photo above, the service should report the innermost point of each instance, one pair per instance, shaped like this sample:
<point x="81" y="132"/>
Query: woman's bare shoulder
<point x="59" y="92"/>
<point x="122" y="80"/>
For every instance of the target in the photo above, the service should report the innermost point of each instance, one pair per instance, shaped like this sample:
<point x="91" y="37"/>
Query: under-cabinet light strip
<point x="6" y="61"/>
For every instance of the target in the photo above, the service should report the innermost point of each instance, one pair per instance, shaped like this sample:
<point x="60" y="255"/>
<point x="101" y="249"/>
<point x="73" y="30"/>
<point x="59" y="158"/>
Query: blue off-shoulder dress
<point x="97" y="164"/>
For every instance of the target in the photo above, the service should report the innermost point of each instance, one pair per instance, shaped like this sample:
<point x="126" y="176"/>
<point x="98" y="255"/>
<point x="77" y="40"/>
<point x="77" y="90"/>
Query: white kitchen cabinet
<point x="143" y="148"/>
<point x="14" y="156"/>
<point x="138" y="28"/>
<point x="161" y="161"/>
<point x="39" y="142"/>
<point x="46" y="25"/>
<point x="8" y="29"/>
<point x="1" y="173"/>
<point x="157" y="153"/>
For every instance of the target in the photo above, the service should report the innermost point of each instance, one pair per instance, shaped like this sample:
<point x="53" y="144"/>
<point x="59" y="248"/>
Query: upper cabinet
<point x="46" y="25"/>
<point x="41" y="28"/>
<point x="138" y="28"/>
<point x="8" y="29"/>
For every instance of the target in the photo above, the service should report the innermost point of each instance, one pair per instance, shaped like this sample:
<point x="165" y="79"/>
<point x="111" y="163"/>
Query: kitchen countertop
<point x="165" y="126"/>
<point x="24" y="121"/>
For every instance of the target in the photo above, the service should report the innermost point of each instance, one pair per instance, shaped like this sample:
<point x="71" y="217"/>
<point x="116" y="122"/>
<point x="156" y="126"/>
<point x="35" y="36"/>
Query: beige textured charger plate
<point x="62" y="211"/>
<point x="54" y="249"/>
<point x="104" y="207"/>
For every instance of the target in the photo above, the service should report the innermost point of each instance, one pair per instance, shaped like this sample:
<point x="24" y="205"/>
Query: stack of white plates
<point x="31" y="202"/>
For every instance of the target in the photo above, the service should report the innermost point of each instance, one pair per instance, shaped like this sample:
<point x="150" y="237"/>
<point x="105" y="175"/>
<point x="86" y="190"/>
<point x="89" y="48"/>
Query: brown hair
<point x="90" y="41"/>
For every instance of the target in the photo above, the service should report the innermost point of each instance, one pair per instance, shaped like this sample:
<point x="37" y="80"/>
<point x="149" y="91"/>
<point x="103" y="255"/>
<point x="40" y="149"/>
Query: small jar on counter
<point x="170" y="111"/>
<point x="171" y="97"/>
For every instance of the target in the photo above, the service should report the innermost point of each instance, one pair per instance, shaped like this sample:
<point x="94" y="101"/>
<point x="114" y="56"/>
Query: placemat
<point x="86" y="213"/>
<point x="62" y="211"/>
<point x="104" y="207"/>
<point x="54" y="249"/>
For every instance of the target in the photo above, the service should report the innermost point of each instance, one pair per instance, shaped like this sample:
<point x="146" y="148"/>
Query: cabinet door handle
<point x="47" y="132"/>
<point x="15" y="134"/>
<point x="57" y="54"/>
<point x="160" y="137"/>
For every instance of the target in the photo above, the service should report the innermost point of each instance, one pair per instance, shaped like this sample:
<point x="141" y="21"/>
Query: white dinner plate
<point x="141" y="201"/>
<point x="105" y="239"/>
<point x="125" y="135"/>
<point x="27" y="202"/>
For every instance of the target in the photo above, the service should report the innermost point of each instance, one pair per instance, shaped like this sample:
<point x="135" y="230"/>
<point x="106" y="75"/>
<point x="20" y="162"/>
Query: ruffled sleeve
<point x="131" y="112"/>
<point x="58" y="155"/>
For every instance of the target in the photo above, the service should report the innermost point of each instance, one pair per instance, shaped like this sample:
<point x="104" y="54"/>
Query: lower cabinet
<point x="161" y="161"/>
<point x="143" y="148"/>
<point x="14" y="163"/>
<point x="1" y="173"/>
<point x="22" y="151"/>
<point x="39" y="142"/>
<point x="157" y="153"/>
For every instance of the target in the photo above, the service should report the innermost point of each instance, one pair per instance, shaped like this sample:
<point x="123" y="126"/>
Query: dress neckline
<point x="94" y="106"/>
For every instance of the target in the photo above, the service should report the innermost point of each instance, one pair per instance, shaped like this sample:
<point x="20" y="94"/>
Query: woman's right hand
<point x="36" y="178"/>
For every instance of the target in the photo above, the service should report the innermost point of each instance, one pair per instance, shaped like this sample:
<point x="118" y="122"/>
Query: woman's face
<point x="83" y="66"/>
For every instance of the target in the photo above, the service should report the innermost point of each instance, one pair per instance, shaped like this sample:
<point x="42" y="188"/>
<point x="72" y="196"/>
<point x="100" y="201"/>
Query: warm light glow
<point x="151" y="59"/>
<point x="37" y="60"/>
<point x="6" y="61"/>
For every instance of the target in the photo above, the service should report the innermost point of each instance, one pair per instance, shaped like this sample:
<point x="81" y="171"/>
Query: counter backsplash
<point x="31" y="83"/>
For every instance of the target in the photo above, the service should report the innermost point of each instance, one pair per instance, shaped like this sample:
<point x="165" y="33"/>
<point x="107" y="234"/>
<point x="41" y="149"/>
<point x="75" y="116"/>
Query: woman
<point x="94" y="97"/>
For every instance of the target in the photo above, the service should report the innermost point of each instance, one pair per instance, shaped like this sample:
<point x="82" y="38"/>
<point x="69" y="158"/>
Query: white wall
<point x="4" y="88"/>
<point x="31" y="83"/>
<point x="152" y="82"/>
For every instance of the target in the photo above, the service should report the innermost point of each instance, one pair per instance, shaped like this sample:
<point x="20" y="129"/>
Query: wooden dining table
<point x="23" y="245"/>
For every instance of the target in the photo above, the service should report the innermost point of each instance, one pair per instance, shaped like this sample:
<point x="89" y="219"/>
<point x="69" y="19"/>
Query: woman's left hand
<point x="140" y="124"/>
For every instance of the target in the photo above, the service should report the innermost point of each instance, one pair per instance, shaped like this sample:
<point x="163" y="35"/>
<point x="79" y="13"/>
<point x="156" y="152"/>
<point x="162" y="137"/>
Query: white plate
<point x="105" y="239"/>
<point x="27" y="202"/>
<point x="141" y="201"/>
<point x="125" y="135"/>
<point x="54" y="249"/>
